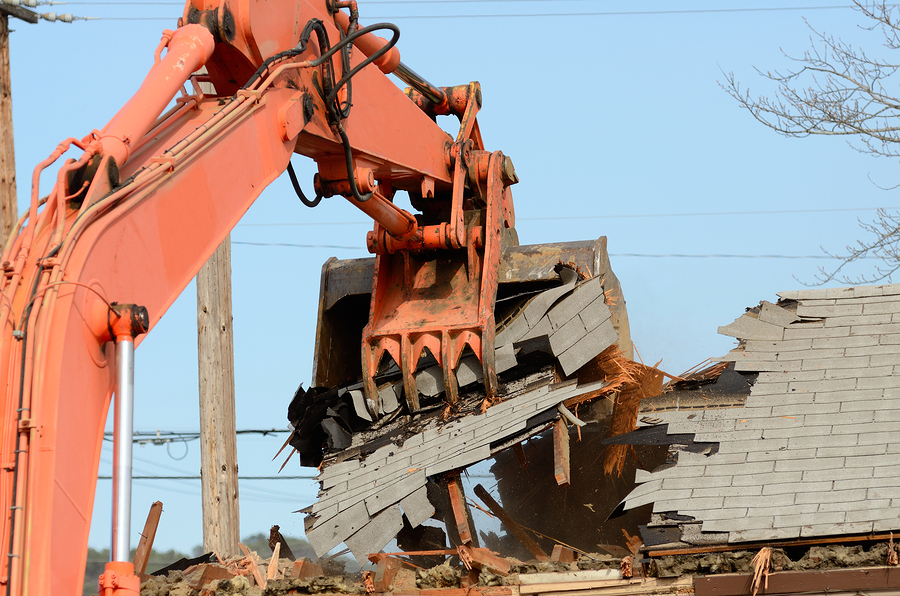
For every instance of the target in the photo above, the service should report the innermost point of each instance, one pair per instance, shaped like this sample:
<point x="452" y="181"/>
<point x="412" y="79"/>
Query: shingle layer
<point x="358" y="501"/>
<point x="815" y="449"/>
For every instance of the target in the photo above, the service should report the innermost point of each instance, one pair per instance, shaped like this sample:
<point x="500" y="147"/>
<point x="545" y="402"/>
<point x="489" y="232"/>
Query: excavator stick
<point x="440" y="301"/>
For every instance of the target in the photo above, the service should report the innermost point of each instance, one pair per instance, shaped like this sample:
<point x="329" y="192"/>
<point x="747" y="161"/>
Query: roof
<point x="814" y="449"/>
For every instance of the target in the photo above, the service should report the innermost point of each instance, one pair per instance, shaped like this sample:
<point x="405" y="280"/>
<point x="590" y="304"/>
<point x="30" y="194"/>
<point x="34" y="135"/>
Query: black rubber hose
<point x="299" y="190"/>
<point x="375" y="55"/>
<point x="348" y="159"/>
<point x="311" y="25"/>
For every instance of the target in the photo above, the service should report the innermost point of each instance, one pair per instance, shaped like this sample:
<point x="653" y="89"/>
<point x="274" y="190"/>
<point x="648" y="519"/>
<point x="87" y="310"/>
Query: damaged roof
<point x="813" y="450"/>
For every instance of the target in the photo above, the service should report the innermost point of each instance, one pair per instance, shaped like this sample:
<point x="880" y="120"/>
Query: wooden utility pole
<point x="218" y="439"/>
<point x="9" y="209"/>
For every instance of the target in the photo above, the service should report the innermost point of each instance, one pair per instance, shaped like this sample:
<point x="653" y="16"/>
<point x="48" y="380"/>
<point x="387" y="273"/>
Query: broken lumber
<point x="457" y="502"/>
<point x="145" y="545"/>
<point x="561" y="468"/>
<point x="514" y="527"/>
<point x="276" y="538"/>
<point x="306" y="569"/>
<point x="254" y="568"/>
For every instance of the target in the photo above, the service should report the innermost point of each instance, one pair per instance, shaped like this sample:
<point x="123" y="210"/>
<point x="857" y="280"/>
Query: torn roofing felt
<point x="814" y="449"/>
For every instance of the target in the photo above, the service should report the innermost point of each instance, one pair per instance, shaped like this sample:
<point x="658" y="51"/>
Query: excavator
<point x="94" y="263"/>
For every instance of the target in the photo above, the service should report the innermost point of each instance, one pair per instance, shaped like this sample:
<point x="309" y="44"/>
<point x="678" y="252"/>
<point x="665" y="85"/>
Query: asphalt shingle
<point x="813" y="451"/>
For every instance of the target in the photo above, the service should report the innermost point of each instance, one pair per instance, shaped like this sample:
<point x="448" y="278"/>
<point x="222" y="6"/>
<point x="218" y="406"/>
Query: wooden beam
<point x="514" y="528"/>
<point x="719" y="548"/>
<point x="795" y="582"/>
<point x="145" y="545"/>
<point x="218" y="439"/>
<point x="561" y="467"/>
<point x="458" y="504"/>
<point x="19" y="12"/>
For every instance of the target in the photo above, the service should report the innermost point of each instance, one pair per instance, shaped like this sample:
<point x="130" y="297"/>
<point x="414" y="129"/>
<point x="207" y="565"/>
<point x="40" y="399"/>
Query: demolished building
<point x="787" y="447"/>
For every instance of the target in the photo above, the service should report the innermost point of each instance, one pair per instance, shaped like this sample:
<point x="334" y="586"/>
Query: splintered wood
<point x="514" y="528"/>
<point x="637" y="382"/>
<point x="561" y="468"/>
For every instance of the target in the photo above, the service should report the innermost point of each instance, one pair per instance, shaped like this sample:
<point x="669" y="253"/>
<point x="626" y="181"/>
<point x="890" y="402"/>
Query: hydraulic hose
<point x="299" y="191"/>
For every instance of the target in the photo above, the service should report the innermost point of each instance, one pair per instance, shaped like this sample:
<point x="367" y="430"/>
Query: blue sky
<point x="617" y="127"/>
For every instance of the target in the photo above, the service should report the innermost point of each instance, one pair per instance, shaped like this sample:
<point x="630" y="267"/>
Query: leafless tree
<point x="841" y="90"/>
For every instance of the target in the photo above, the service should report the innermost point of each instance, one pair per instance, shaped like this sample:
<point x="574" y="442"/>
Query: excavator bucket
<point x="345" y="303"/>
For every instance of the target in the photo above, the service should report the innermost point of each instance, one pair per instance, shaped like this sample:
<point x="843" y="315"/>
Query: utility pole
<point x="218" y="437"/>
<point x="9" y="209"/>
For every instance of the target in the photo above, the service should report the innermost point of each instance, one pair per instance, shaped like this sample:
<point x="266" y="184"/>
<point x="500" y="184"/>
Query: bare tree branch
<point x="841" y="90"/>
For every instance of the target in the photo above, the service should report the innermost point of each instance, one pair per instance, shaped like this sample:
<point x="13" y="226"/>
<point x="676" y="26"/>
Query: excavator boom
<point x="133" y="219"/>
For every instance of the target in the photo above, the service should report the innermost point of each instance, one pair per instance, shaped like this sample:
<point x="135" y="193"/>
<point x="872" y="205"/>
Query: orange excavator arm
<point x="132" y="220"/>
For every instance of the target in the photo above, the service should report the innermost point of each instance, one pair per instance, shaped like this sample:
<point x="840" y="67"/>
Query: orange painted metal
<point x="137" y="214"/>
<point x="119" y="579"/>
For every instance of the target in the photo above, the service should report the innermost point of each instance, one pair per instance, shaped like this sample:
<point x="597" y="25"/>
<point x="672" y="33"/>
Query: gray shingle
<point x="571" y="305"/>
<point x="779" y="454"/>
<point x="755" y="346"/>
<point x="872" y="349"/>
<point x="745" y="523"/>
<point x="595" y="314"/>
<point x="782" y="488"/>
<point x="723" y="514"/>
<point x="880" y="329"/>
<point x="822" y="440"/>
<point x="748" y="501"/>
<point x="753" y="445"/>
<point x="691" y="483"/>
<point x="766" y="479"/>
<point x="728" y="491"/>
<point x="879" y="438"/>
<point x="837" y="310"/>
<point x="832" y="363"/>
<point x="759" y="467"/>
<point x="747" y="327"/>
<point x="844" y="417"/>
<point x="786" y="376"/>
<point x="395" y="492"/>
<point x="869" y="371"/>
<point x="764" y="534"/>
<point x="817" y="463"/>
<point x="888" y="306"/>
<point x="588" y="347"/>
<point x="803" y="331"/>
<point x="846" y="473"/>
<point x="566" y="335"/>
<point x="867" y="320"/>
<point x="847" y="394"/>
<point x="376" y="534"/>
<point x="849" y="342"/>
<point x="820" y="529"/>
<point x="809" y="519"/>
<point x="771" y="313"/>
<point x="417" y="507"/>
<point x="686" y="505"/>
<point x="328" y="533"/>
<point x="756" y="365"/>
<point x="827" y="452"/>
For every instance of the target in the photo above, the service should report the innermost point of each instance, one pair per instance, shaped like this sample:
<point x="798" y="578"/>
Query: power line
<point x="618" y="255"/>
<point x="161" y="437"/>
<point x="299" y="245"/>
<point x="606" y="216"/>
<point x="724" y="256"/>
<point x="197" y="477"/>
<point x="546" y="15"/>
